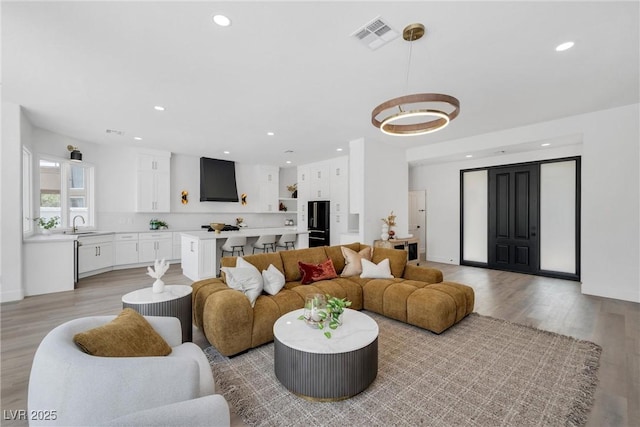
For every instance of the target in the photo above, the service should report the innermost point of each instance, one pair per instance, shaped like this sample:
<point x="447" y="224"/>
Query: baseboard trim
<point x="443" y="260"/>
<point x="10" y="296"/>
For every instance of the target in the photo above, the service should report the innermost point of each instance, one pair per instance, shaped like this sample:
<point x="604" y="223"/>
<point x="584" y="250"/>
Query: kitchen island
<point x="201" y="249"/>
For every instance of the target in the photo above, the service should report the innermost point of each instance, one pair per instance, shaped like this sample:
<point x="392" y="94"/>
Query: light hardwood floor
<point x="551" y="304"/>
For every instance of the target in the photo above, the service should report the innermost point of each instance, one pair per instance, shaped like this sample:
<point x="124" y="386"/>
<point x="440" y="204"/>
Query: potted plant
<point x="328" y="312"/>
<point x="47" y="223"/>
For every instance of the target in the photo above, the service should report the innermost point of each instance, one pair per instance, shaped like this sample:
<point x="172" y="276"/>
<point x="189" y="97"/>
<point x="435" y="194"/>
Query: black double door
<point x="513" y="218"/>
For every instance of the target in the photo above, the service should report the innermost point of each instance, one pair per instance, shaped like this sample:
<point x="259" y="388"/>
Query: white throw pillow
<point x="272" y="280"/>
<point x="241" y="263"/>
<point x="370" y="270"/>
<point x="244" y="278"/>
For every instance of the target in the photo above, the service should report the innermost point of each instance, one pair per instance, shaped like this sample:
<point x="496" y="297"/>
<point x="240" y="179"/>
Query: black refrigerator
<point x="318" y="224"/>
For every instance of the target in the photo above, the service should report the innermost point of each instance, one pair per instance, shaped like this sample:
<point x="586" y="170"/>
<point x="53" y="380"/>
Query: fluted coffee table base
<point x="316" y="368"/>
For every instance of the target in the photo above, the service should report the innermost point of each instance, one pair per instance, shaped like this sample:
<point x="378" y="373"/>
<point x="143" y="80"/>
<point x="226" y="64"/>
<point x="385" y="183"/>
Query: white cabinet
<point x="269" y="179"/>
<point x="339" y="224"/>
<point x="95" y="253"/>
<point x="189" y="256"/>
<point x="303" y="196"/>
<point x="176" y="246"/>
<point x="154" y="182"/>
<point x="49" y="266"/>
<point x="339" y="185"/>
<point x="154" y="162"/>
<point x="198" y="258"/>
<point x="319" y="184"/>
<point x="126" y="248"/>
<point x="155" y="246"/>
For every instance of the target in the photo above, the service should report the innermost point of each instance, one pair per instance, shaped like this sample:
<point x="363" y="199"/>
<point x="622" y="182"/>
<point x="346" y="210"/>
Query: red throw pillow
<point x="313" y="273"/>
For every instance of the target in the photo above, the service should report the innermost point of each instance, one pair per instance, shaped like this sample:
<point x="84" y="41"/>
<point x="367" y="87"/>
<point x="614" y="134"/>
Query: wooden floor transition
<point x="551" y="304"/>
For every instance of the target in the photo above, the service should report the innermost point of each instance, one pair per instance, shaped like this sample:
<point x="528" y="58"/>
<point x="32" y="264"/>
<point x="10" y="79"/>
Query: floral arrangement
<point x="390" y="220"/>
<point x="292" y="188"/>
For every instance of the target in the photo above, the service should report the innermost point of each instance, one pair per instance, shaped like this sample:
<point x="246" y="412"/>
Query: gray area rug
<point x="481" y="372"/>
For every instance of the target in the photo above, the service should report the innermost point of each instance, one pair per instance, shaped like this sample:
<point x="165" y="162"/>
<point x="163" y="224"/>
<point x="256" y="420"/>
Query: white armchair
<point x="86" y="390"/>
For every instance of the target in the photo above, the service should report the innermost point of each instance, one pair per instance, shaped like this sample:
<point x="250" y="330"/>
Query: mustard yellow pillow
<point x="128" y="335"/>
<point x="353" y="260"/>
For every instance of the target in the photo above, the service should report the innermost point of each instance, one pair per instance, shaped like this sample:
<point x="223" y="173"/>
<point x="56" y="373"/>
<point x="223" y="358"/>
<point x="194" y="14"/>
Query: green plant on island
<point x="331" y="316"/>
<point x="47" y="223"/>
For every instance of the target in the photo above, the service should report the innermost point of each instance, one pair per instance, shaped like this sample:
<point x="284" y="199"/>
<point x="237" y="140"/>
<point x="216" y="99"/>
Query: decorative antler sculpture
<point x="159" y="268"/>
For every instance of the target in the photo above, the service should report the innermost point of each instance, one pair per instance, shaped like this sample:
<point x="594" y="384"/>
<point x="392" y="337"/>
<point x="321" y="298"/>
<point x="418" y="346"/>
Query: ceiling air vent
<point x="374" y="34"/>
<point x="115" y="132"/>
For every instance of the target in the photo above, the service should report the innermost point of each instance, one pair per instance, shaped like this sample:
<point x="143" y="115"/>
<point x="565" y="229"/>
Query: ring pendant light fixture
<point x="428" y="119"/>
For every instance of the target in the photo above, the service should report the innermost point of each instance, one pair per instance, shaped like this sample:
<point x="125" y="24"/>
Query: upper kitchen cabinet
<point x="269" y="181"/>
<point x="154" y="182"/>
<point x="319" y="181"/>
<point x="303" y="196"/>
<point x="339" y="185"/>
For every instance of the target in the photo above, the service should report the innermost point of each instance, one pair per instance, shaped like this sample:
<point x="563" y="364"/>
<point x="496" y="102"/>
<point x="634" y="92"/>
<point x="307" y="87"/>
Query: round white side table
<point x="175" y="301"/>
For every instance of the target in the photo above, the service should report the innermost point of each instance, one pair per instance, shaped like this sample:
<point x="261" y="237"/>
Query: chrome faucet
<point x="75" y="228"/>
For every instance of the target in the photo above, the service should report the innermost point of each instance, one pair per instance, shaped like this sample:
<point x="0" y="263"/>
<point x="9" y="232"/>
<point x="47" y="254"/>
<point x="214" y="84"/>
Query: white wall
<point x="610" y="204"/>
<point x="386" y="182"/>
<point x="610" y="230"/>
<point x="15" y="129"/>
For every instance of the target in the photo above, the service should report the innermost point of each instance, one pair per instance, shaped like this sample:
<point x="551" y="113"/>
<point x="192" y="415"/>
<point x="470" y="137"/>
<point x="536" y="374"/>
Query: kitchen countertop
<point x="200" y="233"/>
<point x="248" y="232"/>
<point x="62" y="237"/>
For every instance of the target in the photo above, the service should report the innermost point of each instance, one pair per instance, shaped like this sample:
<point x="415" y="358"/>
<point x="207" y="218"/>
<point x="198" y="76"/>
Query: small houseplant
<point x="47" y="223"/>
<point x="329" y="312"/>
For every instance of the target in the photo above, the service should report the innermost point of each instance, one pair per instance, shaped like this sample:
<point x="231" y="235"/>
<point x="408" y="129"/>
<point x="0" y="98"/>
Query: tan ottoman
<point x="438" y="307"/>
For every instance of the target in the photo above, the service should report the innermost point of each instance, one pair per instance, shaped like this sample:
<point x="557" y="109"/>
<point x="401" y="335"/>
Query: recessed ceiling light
<point x="158" y="108"/>
<point x="222" y="20"/>
<point x="469" y="156"/>
<point x="338" y="149"/>
<point x="270" y="133"/>
<point x="288" y="162"/>
<point x="226" y="152"/>
<point x="137" y="138"/>
<point x="546" y="144"/>
<point x="564" y="46"/>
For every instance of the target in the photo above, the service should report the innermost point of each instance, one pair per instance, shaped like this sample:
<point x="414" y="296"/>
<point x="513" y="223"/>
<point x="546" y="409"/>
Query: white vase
<point x="158" y="286"/>
<point x="45" y="231"/>
<point x="385" y="232"/>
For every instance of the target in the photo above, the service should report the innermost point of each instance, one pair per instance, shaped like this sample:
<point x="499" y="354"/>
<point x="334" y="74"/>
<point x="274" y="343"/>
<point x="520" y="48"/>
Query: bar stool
<point x="234" y="244"/>
<point x="287" y="241"/>
<point x="264" y="243"/>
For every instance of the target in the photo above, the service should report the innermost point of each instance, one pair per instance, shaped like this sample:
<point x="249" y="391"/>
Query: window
<point x="66" y="191"/>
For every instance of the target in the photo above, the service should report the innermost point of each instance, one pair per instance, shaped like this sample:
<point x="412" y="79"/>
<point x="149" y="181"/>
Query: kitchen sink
<point x="78" y="233"/>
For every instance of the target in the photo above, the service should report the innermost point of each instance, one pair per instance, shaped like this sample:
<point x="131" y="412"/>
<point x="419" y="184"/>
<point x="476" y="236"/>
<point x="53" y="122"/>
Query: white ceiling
<point x="80" y="68"/>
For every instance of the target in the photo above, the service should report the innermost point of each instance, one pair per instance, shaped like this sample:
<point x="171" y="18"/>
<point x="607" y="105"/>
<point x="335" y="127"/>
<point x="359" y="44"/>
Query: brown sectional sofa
<point x="416" y="295"/>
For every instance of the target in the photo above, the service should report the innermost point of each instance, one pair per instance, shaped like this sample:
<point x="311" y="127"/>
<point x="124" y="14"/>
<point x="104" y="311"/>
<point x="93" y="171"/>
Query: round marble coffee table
<point x="319" y="368"/>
